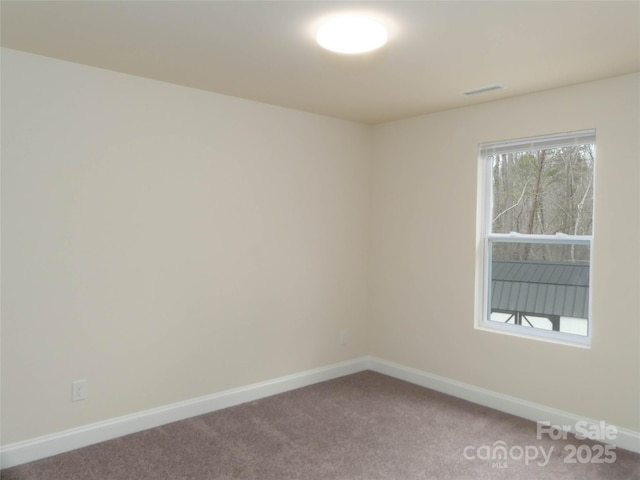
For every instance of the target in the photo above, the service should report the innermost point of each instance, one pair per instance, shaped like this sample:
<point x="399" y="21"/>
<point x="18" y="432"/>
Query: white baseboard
<point x="53" y="444"/>
<point x="625" y="438"/>
<point x="48" y="445"/>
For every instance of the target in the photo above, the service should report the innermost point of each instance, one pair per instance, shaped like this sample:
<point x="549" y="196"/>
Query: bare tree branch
<point x="514" y="205"/>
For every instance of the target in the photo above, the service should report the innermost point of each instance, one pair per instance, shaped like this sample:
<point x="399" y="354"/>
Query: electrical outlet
<point x="78" y="390"/>
<point x="343" y="337"/>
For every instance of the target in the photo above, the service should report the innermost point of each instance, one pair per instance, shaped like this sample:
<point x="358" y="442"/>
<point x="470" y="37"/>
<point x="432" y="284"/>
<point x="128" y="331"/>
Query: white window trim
<point x="484" y="237"/>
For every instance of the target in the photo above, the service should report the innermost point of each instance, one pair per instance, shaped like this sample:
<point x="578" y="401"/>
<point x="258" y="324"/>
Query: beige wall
<point x="424" y="252"/>
<point x="166" y="243"/>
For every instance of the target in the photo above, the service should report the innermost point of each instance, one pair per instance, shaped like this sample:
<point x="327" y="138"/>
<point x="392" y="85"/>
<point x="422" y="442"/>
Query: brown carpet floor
<point x="365" y="426"/>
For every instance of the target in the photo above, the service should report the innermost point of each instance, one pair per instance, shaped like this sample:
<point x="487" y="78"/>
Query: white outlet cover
<point x="78" y="390"/>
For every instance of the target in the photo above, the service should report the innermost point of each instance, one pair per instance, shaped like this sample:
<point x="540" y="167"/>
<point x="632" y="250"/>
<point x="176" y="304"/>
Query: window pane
<point x="543" y="191"/>
<point x="542" y="252"/>
<point x="543" y="286"/>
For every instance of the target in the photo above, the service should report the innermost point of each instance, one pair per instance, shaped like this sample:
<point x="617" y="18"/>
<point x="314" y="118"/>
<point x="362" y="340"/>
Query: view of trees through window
<point x="543" y="192"/>
<point x="539" y="231"/>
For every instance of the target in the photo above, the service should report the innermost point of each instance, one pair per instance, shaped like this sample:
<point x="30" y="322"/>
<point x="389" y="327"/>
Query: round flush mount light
<point x="351" y="34"/>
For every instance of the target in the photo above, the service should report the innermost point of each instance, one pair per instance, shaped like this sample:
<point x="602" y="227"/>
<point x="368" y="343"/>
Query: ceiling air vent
<point x="483" y="90"/>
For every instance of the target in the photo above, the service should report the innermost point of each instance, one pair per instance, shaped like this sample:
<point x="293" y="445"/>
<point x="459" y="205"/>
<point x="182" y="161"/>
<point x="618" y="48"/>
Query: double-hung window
<point x="536" y="230"/>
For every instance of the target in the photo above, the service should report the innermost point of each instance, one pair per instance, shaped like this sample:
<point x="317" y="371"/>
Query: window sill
<point x="548" y="336"/>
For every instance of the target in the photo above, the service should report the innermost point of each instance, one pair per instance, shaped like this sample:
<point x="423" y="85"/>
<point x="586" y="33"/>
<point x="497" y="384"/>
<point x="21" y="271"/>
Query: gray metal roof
<point x="540" y="287"/>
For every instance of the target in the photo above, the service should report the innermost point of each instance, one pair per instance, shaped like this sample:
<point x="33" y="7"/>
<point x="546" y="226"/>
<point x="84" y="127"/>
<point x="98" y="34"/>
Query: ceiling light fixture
<point x="351" y="34"/>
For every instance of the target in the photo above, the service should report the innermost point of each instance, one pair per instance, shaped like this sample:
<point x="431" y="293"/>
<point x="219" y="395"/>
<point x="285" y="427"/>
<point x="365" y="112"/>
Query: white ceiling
<point x="265" y="50"/>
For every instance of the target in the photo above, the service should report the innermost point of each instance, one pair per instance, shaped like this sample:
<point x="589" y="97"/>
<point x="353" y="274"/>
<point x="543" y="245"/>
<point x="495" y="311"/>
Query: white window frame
<point x="486" y="237"/>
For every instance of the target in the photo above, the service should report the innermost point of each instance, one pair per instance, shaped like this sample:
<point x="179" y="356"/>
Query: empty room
<point x="312" y="240"/>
